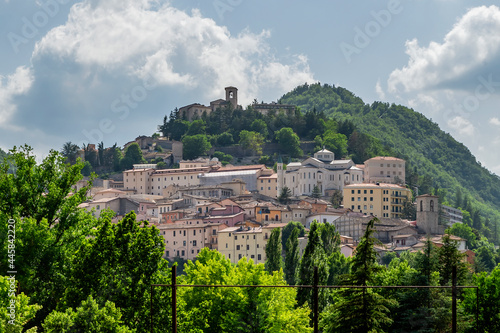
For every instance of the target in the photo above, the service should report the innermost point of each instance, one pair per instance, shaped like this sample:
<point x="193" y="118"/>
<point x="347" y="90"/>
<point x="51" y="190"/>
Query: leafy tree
<point x="360" y="310"/>
<point x="316" y="192"/>
<point x="274" y="261"/>
<point x="450" y="256"/>
<point x="289" y="142"/>
<point x="87" y="169"/>
<point x="237" y="309"/>
<point x="118" y="264"/>
<point x="489" y="303"/>
<point x="313" y="256"/>
<point x="52" y="226"/>
<point x="90" y="155"/>
<point x="259" y="126"/>
<point x="195" y="146"/>
<point x="252" y="141"/>
<point x="292" y="257"/>
<point x="330" y="238"/>
<point x="334" y="142"/>
<point x="197" y="127"/>
<point x="132" y="155"/>
<point x="24" y="311"/>
<point x="462" y="230"/>
<point x="285" y="195"/>
<point x="70" y="152"/>
<point x="88" y="317"/>
<point x="224" y="158"/>
<point x="225" y="139"/>
<point x="178" y="129"/>
<point x="339" y="265"/>
<point x="336" y="198"/>
<point x="409" y="211"/>
<point x="287" y="231"/>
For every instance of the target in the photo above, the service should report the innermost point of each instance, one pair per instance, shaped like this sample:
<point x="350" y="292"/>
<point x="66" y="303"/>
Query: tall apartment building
<point x="385" y="169"/>
<point x="380" y="199"/>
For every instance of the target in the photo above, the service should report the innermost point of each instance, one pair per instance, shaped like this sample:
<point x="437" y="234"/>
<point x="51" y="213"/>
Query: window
<point x="183" y="253"/>
<point x="352" y="191"/>
<point x="364" y="192"/>
<point x="184" y="243"/>
<point x="237" y="247"/>
<point x="248" y="247"/>
<point x="194" y="232"/>
<point x="359" y="191"/>
<point x="226" y="245"/>
<point x="174" y="233"/>
<point x="252" y="256"/>
<point x="167" y="253"/>
<point x="194" y="243"/>
<point x="239" y="256"/>
<point x="432" y="205"/>
<point x="259" y="257"/>
<point x="352" y="199"/>
<point x="371" y="198"/>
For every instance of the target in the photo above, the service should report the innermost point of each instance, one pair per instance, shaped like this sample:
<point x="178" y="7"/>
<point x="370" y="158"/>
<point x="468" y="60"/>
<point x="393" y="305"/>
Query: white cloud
<point x="10" y="87"/>
<point x="472" y="43"/>
<point x="379" y="90"/>
<point x="147" y="39"/>
<point x="462" y="126"/>
<point x="495" y="121"/>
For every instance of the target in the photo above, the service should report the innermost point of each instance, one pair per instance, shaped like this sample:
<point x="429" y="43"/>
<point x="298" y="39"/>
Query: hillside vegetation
<point x="429" y="151"/>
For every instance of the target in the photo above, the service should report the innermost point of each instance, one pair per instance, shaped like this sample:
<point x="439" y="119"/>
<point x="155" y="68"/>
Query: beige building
<point x="151" y="181"/>
<point x="268" y="185"/>
<point x="384" y="169"/>
<point x="379" y="199"/>
<point x="196" y="110"/>
<point x="186" y="237"/>
<point x="238" y="242"/>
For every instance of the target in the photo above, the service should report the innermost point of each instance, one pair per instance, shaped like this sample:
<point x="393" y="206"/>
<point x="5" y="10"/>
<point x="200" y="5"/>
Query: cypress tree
<point x="274" y="262"/>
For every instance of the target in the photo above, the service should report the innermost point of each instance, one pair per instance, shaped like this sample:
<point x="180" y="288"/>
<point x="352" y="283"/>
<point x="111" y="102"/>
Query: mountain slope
<point x="411" y="136"/>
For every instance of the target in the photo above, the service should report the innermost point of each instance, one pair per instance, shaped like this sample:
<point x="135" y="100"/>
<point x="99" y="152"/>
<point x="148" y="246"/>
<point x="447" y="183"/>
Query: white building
<point x="321" y="170"/>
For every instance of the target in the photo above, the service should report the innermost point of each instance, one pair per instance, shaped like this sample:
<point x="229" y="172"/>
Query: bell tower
<point x="428" y="211"/>
<point x="232" y="96"/>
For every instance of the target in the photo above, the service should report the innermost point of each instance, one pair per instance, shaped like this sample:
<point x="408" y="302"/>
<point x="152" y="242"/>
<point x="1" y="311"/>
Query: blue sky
<point x="92" y="70"/>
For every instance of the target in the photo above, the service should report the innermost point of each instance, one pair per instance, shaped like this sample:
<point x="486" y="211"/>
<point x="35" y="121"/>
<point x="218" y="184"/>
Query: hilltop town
<point x="234" y="208"/>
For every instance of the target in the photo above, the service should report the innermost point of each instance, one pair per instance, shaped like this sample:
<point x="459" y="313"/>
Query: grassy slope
<point x="414" y="137"/>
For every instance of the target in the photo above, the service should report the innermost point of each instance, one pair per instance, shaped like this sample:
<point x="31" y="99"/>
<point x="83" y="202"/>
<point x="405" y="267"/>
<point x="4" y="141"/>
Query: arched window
<point x="421" y="206"/>
<point x="432" y="205"/>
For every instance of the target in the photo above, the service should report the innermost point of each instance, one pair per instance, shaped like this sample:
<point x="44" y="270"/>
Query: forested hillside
<point x="429" y="151"/>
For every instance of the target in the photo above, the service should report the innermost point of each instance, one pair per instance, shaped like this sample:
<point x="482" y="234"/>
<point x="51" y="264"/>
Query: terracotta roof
<point x="368" y="185"/>
<point x="384" y="158"/>
<point x="240" y="167"/>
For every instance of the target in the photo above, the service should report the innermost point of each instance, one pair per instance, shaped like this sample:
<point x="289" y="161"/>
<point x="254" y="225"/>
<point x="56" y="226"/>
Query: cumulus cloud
<point x="147" y="39"/>
<point x="10" y="87"/>
<point x="462" y="126"/>
<point x="472" y="45"/>
<point x="379" y="90"/>
<point x="495" y="121"/>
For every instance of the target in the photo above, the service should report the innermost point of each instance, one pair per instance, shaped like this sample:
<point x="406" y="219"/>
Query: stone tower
<point x="232" y="96"/>
<point x="428" y="214"/>
<point x="281" y="175"/>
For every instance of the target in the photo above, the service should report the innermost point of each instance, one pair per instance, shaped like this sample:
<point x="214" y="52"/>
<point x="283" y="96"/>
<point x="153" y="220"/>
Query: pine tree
<point x="360" y="309"/>
<point x="292" y="257"/>
<point x="274" y="262"/>
<point x="314" y="256"/>
<point x="316" y="193"/>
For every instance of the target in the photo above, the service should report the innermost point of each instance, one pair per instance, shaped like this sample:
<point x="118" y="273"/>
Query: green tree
<point x="88" y="317"/>
<point x="336" y="198"/>
<point x="313" y="256"/>
<point x="450" y="256"/>
<point x="330" y="238"/>
<point x="292" y="257"/>
<point x="118" y="264"/>
<point x="289" y="142"/>
<point x="360" y="310"/>
<point x="252" y="141"/>
<point x="316" y="192"/>
<point x="38" y="194"/>
<point x="334" y="142"/>
<point x="87" y="169"/>
<point x="409" y="211"/>
<point x="132" y="155"/>
<point x="225" y="139"/>
<point x="23" y="310"/>
<point x="462" y="230"/>
<point x="237" y="309"/>
<point x="197" y="127"/>
<point x="285" y="195"/>
<point x="287" y="231"/>
<point x="489" y="303"/>
<point x="259" y="126"/>
<point x="195" y="146"/>
<point x="274" y="260"/>
<point x="70" y="152"/>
